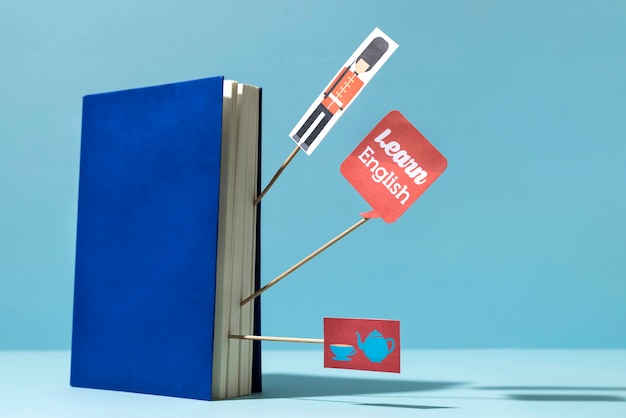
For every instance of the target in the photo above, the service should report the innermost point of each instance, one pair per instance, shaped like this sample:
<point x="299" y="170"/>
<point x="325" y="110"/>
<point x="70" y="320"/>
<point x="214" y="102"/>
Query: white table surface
<point x="433" y="383"/>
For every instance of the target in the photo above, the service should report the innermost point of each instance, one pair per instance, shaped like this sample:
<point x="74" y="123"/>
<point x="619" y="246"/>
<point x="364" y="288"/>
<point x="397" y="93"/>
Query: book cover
<point x="147" y="240"/>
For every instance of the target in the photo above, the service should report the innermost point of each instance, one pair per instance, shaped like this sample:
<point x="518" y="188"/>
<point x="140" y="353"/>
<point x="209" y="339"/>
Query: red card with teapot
<point x="362" y="344"/>
<point x="392" y="167"/>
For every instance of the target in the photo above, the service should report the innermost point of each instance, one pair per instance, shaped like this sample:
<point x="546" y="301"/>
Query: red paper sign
<point x="362" y="344"/>
<point x="393" y="166"/>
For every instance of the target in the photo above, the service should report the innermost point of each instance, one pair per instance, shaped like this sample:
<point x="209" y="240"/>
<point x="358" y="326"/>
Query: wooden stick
<point x="279" y="339"/>
<point x="278" y="173"/>
<point x="304" y="260"/>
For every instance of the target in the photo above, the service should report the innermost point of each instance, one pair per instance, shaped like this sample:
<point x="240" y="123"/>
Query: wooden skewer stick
<point x="279" y="339"/>
<point x="278" y="173"/>
<point x="304" y="260"/>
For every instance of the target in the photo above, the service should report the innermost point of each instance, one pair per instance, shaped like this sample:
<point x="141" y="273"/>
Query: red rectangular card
<point x="362" y="344"/>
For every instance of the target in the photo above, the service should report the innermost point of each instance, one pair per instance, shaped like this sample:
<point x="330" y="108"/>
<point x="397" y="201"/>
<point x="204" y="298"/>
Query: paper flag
<point x="342" y="90"/>
<point x="393" y="166"/>
<point x="362" y="344"/>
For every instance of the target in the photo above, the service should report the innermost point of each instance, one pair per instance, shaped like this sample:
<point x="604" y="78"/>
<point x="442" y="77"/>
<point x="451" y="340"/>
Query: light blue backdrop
<point x="520" y="243"/>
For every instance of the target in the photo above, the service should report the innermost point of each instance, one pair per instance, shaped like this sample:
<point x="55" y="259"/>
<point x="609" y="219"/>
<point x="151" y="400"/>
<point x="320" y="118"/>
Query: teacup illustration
<point x="342" y="352"/>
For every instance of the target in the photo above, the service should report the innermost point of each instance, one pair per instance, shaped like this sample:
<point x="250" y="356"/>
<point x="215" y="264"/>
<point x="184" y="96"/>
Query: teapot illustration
<point x="375" y="347"/>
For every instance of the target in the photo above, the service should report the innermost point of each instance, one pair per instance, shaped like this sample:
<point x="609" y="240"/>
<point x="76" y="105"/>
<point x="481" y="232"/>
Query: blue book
<point x="168" y="241"/>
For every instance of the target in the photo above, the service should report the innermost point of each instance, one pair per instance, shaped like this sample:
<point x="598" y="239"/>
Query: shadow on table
<point x="396" y="405"/>
<point x="566" y="398"/>
<point x="300" y="386"/>
<point x="378" y="404"/>
<point x="555" y="388"/>
<point x="561" y="397"/>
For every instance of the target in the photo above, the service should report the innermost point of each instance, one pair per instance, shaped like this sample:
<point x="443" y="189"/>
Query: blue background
<point x="520" y="243"/>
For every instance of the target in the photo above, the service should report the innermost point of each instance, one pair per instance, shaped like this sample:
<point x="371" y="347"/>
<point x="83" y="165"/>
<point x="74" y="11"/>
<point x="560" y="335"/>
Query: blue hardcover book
<point x="168" y="241"/>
